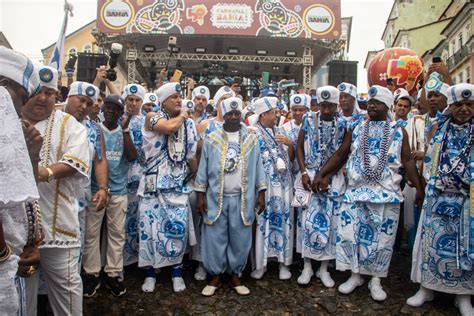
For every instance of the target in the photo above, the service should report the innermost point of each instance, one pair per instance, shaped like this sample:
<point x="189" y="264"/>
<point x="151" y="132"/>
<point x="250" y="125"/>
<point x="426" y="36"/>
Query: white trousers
<point x="61" y="272"/>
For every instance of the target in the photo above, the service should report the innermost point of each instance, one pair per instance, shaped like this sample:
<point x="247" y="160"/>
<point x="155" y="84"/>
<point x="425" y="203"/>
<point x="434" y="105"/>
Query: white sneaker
<point x="285" y="273"/>
<point x="350" y="285"/>
<point x="463" y="303"/>
<point x="376" y="290"/>
<point x="200" y="274"/>
<point x="258" y="274"/>
<point x="423" y="295"/>
<point x="305" y="276"/>
<point x="325" y="278"/>
<point x="148" y="285"/>
<point x="178" y="285"/>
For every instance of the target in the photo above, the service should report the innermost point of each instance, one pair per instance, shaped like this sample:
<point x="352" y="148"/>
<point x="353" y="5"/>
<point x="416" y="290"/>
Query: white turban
<point x="84" y="89"/>
<point x="150" y="98"/>
<point x="201" y="91"/>
<point x="460" y="92"/>
<point x="134" y="89"/>
<point x="167" y="90"/>
<point x="223" y="91"/>
<point x="187" y="104"/>
<point x="19" y="68"/>
<point x="262" y="105"/>
<point x="381" y="94"/>
<point x="300" y="100"/>
<point x="48" y="76"/>
<point x="328" y="94"/>
<point x="434" y="83"/>
<point x="348" y="88"/>
<point x="231" y="104"/>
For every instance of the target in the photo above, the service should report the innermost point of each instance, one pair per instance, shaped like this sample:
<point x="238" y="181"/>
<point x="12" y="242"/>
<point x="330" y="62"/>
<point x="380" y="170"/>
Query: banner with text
<point x="319" y="19"/>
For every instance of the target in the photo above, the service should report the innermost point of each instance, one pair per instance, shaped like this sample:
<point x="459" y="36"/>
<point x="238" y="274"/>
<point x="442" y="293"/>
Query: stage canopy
<point x="226" y="38"/>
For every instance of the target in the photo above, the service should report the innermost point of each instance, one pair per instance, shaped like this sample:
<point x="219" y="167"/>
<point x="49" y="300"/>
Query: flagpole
<point x="58" y="51"/>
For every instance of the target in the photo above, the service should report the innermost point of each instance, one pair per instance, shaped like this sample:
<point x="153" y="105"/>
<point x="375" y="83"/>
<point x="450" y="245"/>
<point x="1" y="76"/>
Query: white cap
<point x="300" y="100"/>
<point x="381" y="94"/>
<point x="231" y="104"/>
<point x="434" y="83"/>
<point x="223" y="91"/>
<point x="48" y="76"/>
<point x="134" y="89"/>
<point x="19" y="68"/>
<point x="460" y="92"/>
<point x="401" y="93"/>
<point x="187" y="104"/>
<point x="348" y="88"/>
<point x="201" y="91"/>
<point x="84" y="89"/>
<point x="167" y="90"/>
<point x="328" y="94"/>
<point x="150" y="97"/>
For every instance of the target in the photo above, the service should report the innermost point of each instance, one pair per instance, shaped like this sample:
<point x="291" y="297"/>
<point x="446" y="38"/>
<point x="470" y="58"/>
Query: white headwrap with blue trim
<point x="84" y="89"/>
<point x="19" y="68"/>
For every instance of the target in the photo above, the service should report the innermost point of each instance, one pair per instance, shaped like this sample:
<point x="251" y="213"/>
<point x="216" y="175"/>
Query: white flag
<point x="58" y="52"/>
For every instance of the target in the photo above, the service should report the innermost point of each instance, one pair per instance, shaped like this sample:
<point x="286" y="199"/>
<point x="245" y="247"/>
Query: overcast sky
<point x="31" y="25"/>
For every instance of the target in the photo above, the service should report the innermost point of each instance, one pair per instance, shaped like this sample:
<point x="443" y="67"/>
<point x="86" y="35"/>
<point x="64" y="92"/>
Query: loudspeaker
<point x="87" y="64"/>
<point x="342" y="71"/>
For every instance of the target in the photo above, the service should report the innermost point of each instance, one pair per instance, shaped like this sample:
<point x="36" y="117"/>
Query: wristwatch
<point x="126" y="130"/>
<point x="50" y="174"/>
<point x="304" y="172"/>
<point x="106" y="189"/>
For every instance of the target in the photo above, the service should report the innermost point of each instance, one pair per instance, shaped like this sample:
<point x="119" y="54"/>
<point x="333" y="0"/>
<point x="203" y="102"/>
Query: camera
<point x="115" y="51"/>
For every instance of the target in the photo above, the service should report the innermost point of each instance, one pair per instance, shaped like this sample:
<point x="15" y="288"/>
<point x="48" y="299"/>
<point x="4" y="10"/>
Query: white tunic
<point x="64" y="141"/>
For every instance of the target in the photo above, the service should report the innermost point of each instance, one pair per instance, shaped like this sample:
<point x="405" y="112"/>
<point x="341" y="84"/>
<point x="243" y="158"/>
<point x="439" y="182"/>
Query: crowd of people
<point x="110" y="178"/>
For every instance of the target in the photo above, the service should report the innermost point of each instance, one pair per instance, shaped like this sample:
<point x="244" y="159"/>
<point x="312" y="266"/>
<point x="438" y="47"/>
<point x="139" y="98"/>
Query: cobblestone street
<point x="269" y="296"/>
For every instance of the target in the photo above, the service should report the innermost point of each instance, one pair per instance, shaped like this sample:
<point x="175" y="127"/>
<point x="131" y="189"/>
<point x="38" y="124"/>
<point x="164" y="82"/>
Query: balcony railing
<point x="458" y="57"/>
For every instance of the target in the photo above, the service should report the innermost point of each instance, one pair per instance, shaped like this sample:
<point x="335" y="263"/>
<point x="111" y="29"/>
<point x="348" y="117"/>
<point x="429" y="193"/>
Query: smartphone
<point x="176" y="75"/>
<point x="436" y="59"/>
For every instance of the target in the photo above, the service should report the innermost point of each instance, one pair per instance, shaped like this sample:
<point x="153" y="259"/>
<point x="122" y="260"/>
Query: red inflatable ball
<point x="400" y="64"/>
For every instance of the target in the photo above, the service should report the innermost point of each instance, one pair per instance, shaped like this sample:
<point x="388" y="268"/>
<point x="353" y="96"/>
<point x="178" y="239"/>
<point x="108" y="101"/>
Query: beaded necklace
<point x="46" y="148"/>
<point x="374" y="175"/>
<point x="176" y="144"/>
<point x="35" y="227"/>
<point x="322" y="146"/>
<point x="279" y="148"/>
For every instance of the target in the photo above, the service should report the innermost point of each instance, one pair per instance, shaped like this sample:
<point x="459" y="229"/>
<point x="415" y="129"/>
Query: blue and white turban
<point x="134" y="89"/>
<point x="19" y="68"/>
<point x="300" y="100"/>
<point x="167" y="90"/>
<point x="80" y="88"/>
<point x="201" y="91"/>
<point x="381" y="94"/>
<point x="231" y="104"/>
<point x="348" y="88"/>
<point x="48" y="76"/>
<point x="223" y="91"/>
<point x="328" y="94"/>
<point x="434" y="83"/>
<point x="263" y="105"/>
<point x="187" y="105"/>
<point x="150" y="97"/>
<point x="460" y="92"/>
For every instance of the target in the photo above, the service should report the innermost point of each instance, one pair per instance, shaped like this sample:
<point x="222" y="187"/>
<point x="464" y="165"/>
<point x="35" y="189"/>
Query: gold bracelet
<point x="6" y="256"/>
